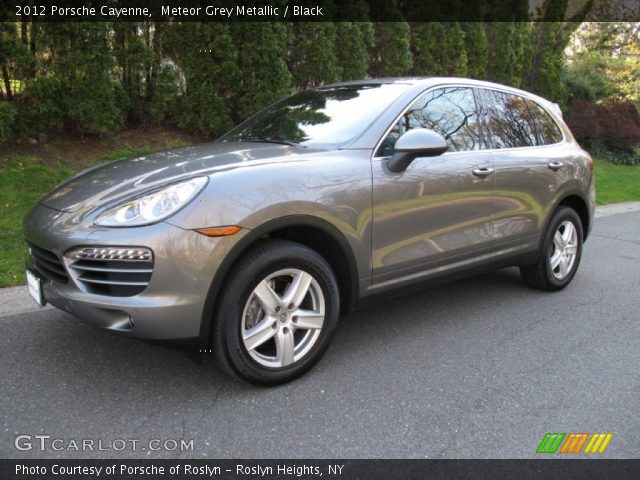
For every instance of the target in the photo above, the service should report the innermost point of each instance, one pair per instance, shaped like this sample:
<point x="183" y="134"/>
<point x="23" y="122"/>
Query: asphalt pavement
<point x="483" y="367"/>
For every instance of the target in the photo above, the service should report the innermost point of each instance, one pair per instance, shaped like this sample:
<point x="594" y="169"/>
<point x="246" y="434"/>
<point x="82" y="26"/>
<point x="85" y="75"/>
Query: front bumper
<point x="169" y="308"/>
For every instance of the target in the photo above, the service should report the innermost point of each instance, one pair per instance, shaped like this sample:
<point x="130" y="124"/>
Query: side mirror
<point x="417" y="142"/>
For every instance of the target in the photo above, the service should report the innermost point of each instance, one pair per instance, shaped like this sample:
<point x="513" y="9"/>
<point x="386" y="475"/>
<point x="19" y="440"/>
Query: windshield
<point x="327" y="117"/>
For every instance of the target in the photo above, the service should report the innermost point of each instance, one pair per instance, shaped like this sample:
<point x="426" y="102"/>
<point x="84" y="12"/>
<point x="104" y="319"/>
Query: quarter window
<point x="545" y="129"/>
<point x="450" y="111"/>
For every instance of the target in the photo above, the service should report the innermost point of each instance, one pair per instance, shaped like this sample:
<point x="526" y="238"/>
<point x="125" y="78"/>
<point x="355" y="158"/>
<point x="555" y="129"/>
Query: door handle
<point x="555" y="166"/>
<point x="483" y="172"/>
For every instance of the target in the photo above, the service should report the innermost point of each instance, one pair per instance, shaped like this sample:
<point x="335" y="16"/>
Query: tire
<point x="257" y="336"/>
<point x="560" y="255"/>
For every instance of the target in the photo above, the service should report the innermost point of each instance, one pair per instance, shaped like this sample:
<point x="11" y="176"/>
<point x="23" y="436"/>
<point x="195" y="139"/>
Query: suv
<point x="254" y="244"/>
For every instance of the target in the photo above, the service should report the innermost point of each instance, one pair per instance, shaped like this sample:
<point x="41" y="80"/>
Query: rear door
<point x="439" y="207"/>
<point x="527" y="157"/>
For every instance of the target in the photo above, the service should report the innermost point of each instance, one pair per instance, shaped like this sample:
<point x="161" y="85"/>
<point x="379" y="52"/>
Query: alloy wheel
<point x="283" y="318"/>
<point x="564" y="251"/>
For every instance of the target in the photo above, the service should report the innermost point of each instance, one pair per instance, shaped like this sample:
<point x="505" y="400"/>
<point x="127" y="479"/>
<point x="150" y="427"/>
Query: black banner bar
<point x="318" y="10"/>
<point x="547" y="469"/>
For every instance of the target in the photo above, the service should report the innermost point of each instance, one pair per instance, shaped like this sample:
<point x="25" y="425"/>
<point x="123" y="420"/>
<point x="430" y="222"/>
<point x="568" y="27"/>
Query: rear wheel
<point x="277" y="313"/>
<point x="561" y="252"/>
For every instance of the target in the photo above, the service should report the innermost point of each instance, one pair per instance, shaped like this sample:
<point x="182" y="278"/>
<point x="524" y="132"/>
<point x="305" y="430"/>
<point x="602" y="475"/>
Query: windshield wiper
<point x="270" y="140"/>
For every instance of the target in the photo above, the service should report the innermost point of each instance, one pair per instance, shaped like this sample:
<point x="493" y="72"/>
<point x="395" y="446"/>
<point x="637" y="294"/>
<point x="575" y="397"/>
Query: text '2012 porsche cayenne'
<point x="255" y="244"/>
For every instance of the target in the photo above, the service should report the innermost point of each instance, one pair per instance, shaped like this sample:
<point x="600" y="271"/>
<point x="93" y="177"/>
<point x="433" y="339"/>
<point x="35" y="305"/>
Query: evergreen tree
<point x="264" y="76"/>
<point x="132" y="57"/>
<point x="548" y="62"/>
<point x="391" y="51"/>
<point x="439" y="49"/>
<point x="454" y="58"/>
<point x="353" y="41"/>
<point x="476" y="47"/>
<point x="313" y="60"/>
<point x="424" y="38"/>
<point x="79" y="92"/>
<point x="508" y="55"/>
<point x="206" y="56"/>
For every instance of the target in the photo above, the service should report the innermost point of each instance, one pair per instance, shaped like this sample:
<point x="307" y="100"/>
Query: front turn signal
<point x="219" y="231"/>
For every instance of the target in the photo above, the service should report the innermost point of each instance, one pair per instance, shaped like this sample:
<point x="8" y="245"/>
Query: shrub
<point x="611" y="128"/>
<point x="7" y="121"/>
<point x="41" y="107"/>
<point x="54" y="105"/>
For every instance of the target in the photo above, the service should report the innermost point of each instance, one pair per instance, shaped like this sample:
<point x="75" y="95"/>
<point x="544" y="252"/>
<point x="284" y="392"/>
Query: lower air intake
<point x="114" y="271"/>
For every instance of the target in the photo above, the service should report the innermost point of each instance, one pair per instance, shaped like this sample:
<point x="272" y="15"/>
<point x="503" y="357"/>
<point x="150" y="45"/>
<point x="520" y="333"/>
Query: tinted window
<point x="511" y="121"/>
<point x="327" y="117"/>
<point x="449" y="111"/>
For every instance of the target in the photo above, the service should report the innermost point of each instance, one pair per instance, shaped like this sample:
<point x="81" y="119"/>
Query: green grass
<point x="127" y="152"/>
<point x="616" y="183"/>
<point x="24" y="180"/>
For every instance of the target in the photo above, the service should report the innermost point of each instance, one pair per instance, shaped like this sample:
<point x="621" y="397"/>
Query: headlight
<point x="153" y="207"/>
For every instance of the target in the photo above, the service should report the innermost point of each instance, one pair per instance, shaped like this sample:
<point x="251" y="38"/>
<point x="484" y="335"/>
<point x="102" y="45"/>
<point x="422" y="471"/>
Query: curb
<point x="16" y="300"/>
<point x="616" y="209"/>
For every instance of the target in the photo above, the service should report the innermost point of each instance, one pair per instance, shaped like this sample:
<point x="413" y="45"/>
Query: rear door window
<point x="512" y="121"/>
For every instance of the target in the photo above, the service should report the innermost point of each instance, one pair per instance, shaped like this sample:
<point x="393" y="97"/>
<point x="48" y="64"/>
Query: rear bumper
<point x="169" y="308"/>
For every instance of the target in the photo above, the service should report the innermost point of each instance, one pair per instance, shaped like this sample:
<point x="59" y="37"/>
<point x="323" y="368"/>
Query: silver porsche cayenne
<point x="252" y="246"/>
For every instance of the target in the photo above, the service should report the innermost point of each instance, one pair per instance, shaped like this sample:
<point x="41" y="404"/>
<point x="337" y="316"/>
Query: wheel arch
<point x="308" y="230"/>
<point x="579" y="204"/>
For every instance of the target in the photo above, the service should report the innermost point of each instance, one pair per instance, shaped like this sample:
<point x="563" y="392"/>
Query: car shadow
<point x="75" y="352"/>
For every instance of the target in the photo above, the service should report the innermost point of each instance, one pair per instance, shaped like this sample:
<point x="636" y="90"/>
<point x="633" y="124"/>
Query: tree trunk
<point x="24" y="24"/>
<point x="7" y="82"/>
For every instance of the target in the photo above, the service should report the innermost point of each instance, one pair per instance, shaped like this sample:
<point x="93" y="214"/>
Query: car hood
<point x="121" y="179"/>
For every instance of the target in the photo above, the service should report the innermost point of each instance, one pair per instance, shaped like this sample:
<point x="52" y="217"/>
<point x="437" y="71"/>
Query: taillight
<point x="591" y="163"/>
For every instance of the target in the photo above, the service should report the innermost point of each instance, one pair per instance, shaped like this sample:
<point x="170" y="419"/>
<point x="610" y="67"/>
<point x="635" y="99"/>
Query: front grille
<point x="119" y="272"/>
<point x="48" y="264"/>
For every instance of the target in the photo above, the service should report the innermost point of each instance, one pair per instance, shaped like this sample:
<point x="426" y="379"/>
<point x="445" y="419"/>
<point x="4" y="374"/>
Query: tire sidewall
<point x="245" y="281"/>
<point x="560" y="216"/>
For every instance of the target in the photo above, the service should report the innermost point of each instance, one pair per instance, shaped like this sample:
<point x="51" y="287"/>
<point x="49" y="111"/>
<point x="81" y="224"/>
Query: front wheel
<point x="561" y="252"/>
<point x="277" y="313"/>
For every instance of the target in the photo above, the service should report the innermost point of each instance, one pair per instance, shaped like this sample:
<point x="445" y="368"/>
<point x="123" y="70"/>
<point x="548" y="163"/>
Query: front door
<point x="440" y="206"/>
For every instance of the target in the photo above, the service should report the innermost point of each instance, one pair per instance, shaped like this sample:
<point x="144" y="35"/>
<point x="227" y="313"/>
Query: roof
<point x="428" y="81"/>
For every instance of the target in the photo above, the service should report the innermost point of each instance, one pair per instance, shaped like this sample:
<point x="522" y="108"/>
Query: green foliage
<point x="7" y="121"/>
<point x="313" y="58"/>
<point x="475" y="40"/>
<point x="92" y="77"/>
<point x="509" y="55"/>
<point x="78" y="94"/>
<point x="550" y="41"/>
<point x="263" y="73"/>
<point x="134" y="58"/>
<point x="617" y="156"/>
<point x="586" y="77"/>
<point x="162" y="103"/>
<point x="353" y="41"/>
<point x="42" y="106"/>
<point x="439" y="49"/>
<point x="206" y="56"/>
<point x="15" y="59"/>
<point x="391" y="50"/>
<point x="605" y="61"/>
